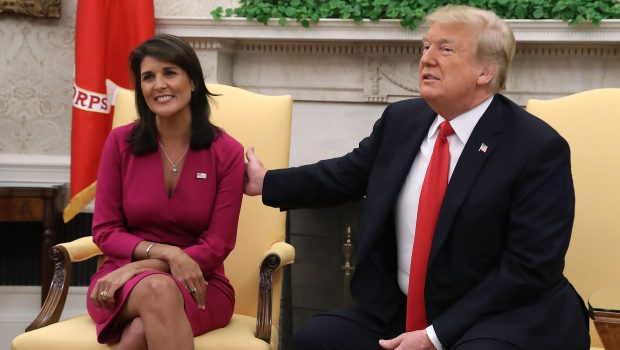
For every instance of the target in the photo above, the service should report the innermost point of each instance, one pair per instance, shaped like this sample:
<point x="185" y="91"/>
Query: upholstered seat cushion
<point x="78" y="333"/>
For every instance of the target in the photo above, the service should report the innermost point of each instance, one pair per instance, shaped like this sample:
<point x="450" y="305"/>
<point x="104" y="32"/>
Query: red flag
<point x="105" y="33"/>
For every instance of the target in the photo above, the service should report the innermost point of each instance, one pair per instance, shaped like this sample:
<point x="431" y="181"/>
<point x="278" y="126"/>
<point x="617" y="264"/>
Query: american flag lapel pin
<point x="483" y="148"/>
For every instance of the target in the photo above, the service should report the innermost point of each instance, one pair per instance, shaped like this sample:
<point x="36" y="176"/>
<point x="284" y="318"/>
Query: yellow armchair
<point x="590" y="122"/>
<point x="253" y="266"/>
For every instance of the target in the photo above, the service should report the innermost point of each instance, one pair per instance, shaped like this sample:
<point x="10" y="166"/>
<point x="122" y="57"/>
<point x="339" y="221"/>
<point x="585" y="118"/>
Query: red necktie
<point x="431" y="197"/>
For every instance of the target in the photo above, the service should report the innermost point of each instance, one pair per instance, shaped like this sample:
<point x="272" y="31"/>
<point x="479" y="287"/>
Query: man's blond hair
<point x="496" y="41"/>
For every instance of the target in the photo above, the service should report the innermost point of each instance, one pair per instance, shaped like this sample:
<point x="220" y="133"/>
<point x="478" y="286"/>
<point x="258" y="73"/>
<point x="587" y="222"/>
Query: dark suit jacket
<point x="497" y="257"/>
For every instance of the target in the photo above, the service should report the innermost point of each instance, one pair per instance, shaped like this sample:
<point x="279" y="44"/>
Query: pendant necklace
<point x="173" y="166"/>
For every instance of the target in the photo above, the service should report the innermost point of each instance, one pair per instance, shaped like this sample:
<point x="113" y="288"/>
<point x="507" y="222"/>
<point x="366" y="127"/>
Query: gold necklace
<point x="173" y="166"/>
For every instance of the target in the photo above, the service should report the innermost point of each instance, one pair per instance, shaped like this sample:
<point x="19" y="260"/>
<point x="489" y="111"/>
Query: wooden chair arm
<point x="280" y="254"/>
<point x="62" y="255"/>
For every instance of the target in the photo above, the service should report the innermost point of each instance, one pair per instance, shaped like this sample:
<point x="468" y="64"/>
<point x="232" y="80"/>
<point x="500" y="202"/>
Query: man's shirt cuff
<point x="433" y="336"/>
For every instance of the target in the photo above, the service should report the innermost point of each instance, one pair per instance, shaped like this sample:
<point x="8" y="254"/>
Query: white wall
<point x="314" y="135"/>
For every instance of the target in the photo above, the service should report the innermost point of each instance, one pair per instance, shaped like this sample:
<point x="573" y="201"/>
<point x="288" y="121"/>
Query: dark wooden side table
<point x="604" y="308"/>
<point x="22" y="202"/>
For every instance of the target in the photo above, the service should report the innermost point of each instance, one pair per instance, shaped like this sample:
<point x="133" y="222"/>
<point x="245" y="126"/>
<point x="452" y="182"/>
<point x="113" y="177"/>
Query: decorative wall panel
<point x="36" y="8"/>
<point x="36" y="63"/>
<point x="192" y="8"/>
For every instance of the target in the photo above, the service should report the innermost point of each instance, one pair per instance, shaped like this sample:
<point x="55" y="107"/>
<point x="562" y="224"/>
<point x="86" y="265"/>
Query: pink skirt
<point x="218" y="311"/>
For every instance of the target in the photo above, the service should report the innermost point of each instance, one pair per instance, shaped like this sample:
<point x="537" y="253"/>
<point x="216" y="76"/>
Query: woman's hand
<point x="102" y="294"/>
<point x="186" y="270"/>
<point x="182" y="267"/>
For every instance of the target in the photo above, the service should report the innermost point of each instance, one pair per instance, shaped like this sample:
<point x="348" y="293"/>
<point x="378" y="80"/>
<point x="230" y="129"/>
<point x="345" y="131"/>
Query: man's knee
<point x="485" y="344"/>
<point x="310" y="336"/>
<point x="334" y="332"/>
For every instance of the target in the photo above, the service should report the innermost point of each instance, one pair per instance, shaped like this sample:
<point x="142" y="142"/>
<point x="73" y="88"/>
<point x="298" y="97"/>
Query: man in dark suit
<point x="489" y="275"/>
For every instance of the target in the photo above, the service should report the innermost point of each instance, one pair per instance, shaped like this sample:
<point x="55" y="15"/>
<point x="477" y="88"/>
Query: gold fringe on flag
<point x="79" y="201"/>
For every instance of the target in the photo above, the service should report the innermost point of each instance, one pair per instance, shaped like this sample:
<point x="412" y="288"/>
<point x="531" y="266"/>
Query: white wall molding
<point x="530" y="31"/>
<point x="369" y="48"/>
<point x="556" y="31"/>
<point x="35" y="169"/>
<point x="342" y="61"/>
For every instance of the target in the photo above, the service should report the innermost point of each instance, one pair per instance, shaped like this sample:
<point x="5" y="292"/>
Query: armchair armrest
<point x="284" y="251"/>
<point x="280" y="254"/>
<point x="62" y="255"/>
<point x="81" y="249"/>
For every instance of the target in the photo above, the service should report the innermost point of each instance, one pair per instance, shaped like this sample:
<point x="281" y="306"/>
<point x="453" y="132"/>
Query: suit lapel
<point x="404" y="145"/>
<point x="406" y="151"/>
<point x="486" y="133"/>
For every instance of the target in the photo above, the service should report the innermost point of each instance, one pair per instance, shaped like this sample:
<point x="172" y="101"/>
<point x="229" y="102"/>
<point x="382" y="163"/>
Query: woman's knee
<point x="159" y="292"/>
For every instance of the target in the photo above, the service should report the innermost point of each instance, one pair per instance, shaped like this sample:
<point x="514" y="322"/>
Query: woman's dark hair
<point x="169" y="48"/>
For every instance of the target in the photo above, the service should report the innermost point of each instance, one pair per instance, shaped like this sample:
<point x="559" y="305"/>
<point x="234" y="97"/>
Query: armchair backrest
<point x="263" y="122"/>
<point x="590" y="122"/>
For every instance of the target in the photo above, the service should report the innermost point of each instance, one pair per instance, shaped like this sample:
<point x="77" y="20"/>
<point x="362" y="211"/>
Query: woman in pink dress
<point x="169" y="192"/>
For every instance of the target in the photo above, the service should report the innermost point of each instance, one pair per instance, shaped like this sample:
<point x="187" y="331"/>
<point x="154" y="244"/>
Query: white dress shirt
<point x="407" y="205"/>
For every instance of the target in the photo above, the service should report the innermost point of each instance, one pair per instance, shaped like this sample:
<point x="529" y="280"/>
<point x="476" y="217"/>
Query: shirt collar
<point x="463" y="124"/>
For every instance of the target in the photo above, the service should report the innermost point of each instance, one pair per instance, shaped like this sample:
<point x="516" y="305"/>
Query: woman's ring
<point x="103" y="293"/>
<point x="193" y="290"/>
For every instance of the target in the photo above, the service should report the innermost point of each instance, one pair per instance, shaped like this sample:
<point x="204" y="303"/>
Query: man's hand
<point x="254" y="174"/>
<point x="417" y="340"/>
